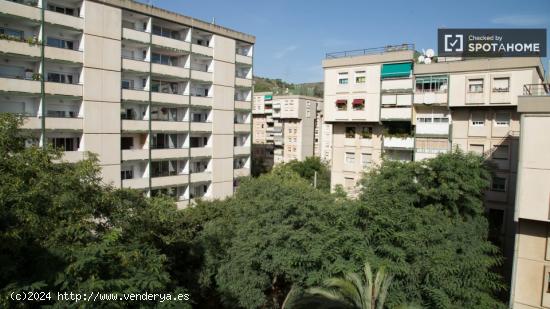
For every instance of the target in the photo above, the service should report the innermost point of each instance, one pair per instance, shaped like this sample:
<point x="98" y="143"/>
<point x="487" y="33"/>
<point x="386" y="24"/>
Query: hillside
<point x="279" y="86"/>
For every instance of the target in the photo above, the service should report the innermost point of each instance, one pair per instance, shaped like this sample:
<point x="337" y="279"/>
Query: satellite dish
<point x="430" y="53"/>
<point x="421" y="58"/>
<point x="428" y="60"/>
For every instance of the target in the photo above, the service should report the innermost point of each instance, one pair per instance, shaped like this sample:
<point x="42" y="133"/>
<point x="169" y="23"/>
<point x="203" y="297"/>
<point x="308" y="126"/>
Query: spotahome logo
<point x="491" y="42"/>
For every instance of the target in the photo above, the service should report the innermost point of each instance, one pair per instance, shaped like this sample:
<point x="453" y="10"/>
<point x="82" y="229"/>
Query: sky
<point x="293" y="36"/>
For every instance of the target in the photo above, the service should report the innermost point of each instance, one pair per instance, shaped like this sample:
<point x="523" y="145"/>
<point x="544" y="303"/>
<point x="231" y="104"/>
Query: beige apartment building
<point x="531" y="273"/>
<point x="286" y="127"/>
<point x="383" y="105"/>
<point x="162" y="98"/>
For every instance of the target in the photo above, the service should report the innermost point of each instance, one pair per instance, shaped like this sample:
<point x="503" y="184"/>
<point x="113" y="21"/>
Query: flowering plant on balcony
<point x="30" y="41"/>
<point x="37" y="76"/>
<point x="388" y="133"/>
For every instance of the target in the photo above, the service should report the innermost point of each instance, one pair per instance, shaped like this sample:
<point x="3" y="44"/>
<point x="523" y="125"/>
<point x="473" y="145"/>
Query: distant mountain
<point x="279" y="86"/>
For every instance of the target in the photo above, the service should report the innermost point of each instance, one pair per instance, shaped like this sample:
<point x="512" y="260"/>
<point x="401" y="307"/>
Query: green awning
<point x="268" y="97"/>
<point x="396" y="70"/>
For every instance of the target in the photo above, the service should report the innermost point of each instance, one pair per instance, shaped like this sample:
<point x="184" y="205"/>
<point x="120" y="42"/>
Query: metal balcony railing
<point x="536" y="89"/>
<point x="370" y="51"/>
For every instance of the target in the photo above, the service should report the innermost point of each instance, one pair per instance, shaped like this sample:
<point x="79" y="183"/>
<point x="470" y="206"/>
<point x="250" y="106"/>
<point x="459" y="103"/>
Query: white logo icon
<point x="454" y="43"/>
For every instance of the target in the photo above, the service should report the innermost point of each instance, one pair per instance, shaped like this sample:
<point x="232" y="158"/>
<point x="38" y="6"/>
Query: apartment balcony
<point x="243" y="59"/>
<point x="22" y="10"/>
<point x="201" y="75"/>
<point x="19" y="85"/>
<point x="201" y="101"/>
<point x="278" y="140"/>
<point x="135" y="65"/>
<point x="395" y="113"/>
<point x="135" y="95"/>
<point x="170" y="43"/>
<point x="20" y="48"/>
<point x="242" y="127"/>
<point x="197" y="152"/>
<point x="201" y="177"/>
<point x="135" y="154"/>
<point x="73" y="156"/>
<point x="435" y="129"/>
<point x="241" y="150"/>
<point x="166" y="181"/>
<point x="169" y="126"/>
<point x="73" y="124"/>
<point x="500" y="97"/>
<point x="431" y="97"/>
<point x="397" y="85"/>
<point x="65" y="20"/>
<point x="135" y="125"/>
<point x="170" y="98"/>
<point x="63" y="54"/>
<point x="399" y="142"/>
<point x="241" y="172"/>
<point x="169" y="153"/>
<point x="475" y="98"/>
<point x="396" y="99"/>
<point x="74" y="90"/>
<point x="203" y="50"/>
<point x="136" y="183"/>
<point x="201" y="126"/>
<point x="169" y="70"/>
<point x="245" y="105"/>
<point x="243" y="82"/>
<point x="134" y="35"/>
<point x="32" y="123"/>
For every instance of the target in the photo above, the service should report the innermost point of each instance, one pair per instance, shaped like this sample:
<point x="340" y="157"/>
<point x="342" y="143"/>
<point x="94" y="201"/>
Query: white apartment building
<point x="289" y="126"/>
<point x="162" y="98"/>
<point x="384" y="105"/>
<point x="531" y="272"/>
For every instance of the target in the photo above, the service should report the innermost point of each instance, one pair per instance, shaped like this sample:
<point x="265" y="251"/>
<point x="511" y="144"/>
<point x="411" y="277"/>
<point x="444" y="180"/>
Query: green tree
<point x="426" y="220"/>
<point x="62" y="230"/>
<point x="277" y="232"/>
<point x="310" y="168"/>
<point x="357" y="292"/>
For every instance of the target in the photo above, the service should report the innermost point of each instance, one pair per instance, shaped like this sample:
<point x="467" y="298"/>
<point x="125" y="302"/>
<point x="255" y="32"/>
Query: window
<point x="65" y="143"/>
<point x="502" y="119"/>
<point x="477" y="149"/>
<point x="501" y="152"/>
<point x="163" y="168"/>
<point x="127" y="174"/>
<point x="478" y="119"/>
<point x="366" y="159"/>
<point x="60" y="78"/>
<point x="350" y="158"/>
<point x="127" y="84"/>
<point x="341" y="105"/>
<point x="367" y="132"/>
<point x="360" y="77"/>
<point x="431" y="83"/>
<point x="475" y="85"/>
<point x="498" y="184"/>
<point x="59" y="43"/>
<point x="343" y="78"/>
<point x="126" y="142"/>
<point x="18" y="34"/>
<point x="348" y="183"/>
<point x="62" y="10"/>
<point x="350" y="132"/>
<point x="358" y="104"/>
<point x="501" y="84"/>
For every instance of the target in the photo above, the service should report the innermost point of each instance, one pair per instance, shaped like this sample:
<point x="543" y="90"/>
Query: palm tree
<point x="353" y="291"/>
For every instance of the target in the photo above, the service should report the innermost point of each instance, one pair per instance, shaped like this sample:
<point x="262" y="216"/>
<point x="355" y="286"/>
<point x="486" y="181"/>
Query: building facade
<point x="531" y="272"/>
<point x="286" y="127"/>
<point x="383" y="105"/>
<point x="163" y="99"/>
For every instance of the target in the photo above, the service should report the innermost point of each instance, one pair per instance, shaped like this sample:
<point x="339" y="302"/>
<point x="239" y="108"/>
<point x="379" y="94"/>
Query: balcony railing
<point x="536" y="89"/>
<point x="370" y="51"/>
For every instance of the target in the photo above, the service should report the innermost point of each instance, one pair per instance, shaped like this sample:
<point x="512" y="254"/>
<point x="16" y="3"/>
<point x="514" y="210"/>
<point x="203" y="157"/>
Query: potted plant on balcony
<point x="36" y="76"/>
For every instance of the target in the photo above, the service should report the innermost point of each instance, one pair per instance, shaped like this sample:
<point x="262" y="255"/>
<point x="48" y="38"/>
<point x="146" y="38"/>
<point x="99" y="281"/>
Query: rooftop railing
<point x="536" y="89"/>
<point x="370" y="51"/>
